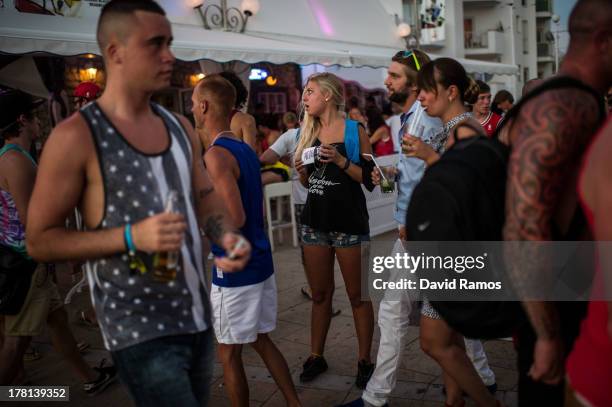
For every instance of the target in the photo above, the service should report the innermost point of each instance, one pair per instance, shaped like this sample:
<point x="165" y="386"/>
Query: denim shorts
<point x="312" y="236"/>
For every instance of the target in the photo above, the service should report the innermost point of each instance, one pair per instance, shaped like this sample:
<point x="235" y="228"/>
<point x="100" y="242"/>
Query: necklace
<point x="439" y="140"/>
<point x="453" y="122"/>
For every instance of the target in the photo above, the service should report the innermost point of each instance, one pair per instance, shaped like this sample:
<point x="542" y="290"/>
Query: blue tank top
<point x="260" y="266"/>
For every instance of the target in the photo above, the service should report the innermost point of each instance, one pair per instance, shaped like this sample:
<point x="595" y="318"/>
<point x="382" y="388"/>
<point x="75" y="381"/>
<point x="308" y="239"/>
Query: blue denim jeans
<point x="168" y="371"/>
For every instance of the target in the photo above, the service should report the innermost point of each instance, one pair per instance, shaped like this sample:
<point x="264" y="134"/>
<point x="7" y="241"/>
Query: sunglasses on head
<point x="407" y="54"/>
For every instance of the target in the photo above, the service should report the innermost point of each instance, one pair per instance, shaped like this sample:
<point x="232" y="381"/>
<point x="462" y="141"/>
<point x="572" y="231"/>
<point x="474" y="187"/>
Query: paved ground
<point x="419" y="377"/>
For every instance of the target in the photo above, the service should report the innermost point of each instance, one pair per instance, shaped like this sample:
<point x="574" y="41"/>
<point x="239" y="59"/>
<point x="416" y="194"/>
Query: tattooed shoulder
<point x="565" y="116"/>
<point x="549" y="137"/>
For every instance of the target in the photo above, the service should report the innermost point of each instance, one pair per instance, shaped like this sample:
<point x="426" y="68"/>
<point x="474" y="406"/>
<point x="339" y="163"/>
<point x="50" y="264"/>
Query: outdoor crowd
<point x="154" y="196"/>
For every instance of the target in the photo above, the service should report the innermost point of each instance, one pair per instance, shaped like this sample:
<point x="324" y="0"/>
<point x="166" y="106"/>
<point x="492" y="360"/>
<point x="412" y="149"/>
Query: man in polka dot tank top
<point x="118" y="159"/>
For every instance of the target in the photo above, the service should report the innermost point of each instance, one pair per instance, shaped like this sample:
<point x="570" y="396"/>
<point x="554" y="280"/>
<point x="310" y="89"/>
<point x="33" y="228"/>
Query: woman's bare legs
<point x="319" y="267"/>
<point x="363" y="313"/>
<point x="446" y="346"/>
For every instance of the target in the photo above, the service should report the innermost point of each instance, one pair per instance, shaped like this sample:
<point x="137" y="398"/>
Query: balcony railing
<point x="544" y="49"/>
<point x="490" y="41"/>
<point x="544" y="6"/>
<point x="482" y="3"/>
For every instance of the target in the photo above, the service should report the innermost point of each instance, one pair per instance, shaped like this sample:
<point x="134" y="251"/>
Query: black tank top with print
<point x="336" y="202"/>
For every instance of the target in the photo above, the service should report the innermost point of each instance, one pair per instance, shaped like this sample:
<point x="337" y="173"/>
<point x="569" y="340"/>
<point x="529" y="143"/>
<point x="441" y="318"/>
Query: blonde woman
<point x="335" y="216"/>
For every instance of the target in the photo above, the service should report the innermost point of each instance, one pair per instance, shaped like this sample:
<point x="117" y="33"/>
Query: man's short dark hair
<point x="503" y="96"/>
<point x="483" y="87"/>
<point x="121" y="8"/>
<point x="241" y="91"/>
<point x="13" y="104"/>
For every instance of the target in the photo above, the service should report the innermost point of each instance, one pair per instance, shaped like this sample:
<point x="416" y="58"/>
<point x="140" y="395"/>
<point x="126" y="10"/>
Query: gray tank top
<point x="133" y="307"/>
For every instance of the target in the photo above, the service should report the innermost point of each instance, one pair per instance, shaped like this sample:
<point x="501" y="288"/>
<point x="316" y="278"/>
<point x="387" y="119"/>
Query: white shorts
<point x="240" y="313"/>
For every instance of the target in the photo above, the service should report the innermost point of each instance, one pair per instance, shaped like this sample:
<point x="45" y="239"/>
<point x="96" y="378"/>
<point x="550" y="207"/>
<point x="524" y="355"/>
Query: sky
<point x="563" y="8"/>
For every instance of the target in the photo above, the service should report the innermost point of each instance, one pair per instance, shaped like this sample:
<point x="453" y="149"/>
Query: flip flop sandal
<point x="306" y="293"/>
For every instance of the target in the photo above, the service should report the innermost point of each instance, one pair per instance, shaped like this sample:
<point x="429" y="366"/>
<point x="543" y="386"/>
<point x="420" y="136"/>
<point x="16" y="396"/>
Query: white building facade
<point x="546" y="43"/>
<point x="488" y="30"/>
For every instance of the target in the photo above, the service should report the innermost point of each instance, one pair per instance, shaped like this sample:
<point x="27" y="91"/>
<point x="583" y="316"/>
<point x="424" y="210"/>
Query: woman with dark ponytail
<point x="445" y="89"/>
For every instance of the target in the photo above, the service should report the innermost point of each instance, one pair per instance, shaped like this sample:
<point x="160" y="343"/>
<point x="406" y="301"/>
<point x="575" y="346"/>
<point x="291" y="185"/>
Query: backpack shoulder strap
<point x="351" y="140"/>
<point x="466" y="123"/>
<point x="558" y="82"/>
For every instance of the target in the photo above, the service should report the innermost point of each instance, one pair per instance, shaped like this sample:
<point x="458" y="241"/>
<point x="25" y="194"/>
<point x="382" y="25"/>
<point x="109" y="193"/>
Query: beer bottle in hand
<point x="165" y="264"/>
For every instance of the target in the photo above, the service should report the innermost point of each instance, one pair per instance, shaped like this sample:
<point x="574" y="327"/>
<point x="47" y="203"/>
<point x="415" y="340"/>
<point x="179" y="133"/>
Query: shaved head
<point x="589" y="16"/>
<point x="117" y="16"/>
<point x="219" y="93"/>
<point x="590" y="28"/>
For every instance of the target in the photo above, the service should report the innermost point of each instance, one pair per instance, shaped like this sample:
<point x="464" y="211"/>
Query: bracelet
<point x="346" y="165"/>
<point x="127" y="236"/>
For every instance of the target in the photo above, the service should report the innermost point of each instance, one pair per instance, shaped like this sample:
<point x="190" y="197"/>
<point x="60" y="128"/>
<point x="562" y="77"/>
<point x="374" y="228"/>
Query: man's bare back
<point x="243" y="126"/>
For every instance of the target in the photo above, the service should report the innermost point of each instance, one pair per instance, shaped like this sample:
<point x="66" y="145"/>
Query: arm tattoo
<point x="550" y="136"/>
<point x="214" y="227"/>
<point x="553" y="132"/>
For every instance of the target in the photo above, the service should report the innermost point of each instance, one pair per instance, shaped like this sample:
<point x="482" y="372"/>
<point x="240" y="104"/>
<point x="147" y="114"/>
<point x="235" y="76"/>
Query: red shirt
<point x="589" y="366"/>
<point x="384" y="147"/>
<point x="490" y="123"/>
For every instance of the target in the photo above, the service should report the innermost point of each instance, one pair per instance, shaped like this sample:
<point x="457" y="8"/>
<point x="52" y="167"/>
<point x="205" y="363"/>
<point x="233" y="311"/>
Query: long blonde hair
<point x="311" y="126"/>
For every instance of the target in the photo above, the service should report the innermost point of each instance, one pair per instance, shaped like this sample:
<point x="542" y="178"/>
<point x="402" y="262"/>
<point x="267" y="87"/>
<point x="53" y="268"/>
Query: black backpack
<point x="461" y="198"/>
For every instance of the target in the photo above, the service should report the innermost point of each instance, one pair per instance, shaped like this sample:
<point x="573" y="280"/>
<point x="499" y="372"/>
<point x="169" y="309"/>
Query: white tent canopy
<point x="297" y="31"/>
<point x="23" y="74"/>
<point x="71" y="36"/>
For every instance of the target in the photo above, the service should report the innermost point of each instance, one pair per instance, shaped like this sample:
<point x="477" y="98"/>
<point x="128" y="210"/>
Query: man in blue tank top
<point x="119" y="159"/>
<point x="244" y="303"/>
